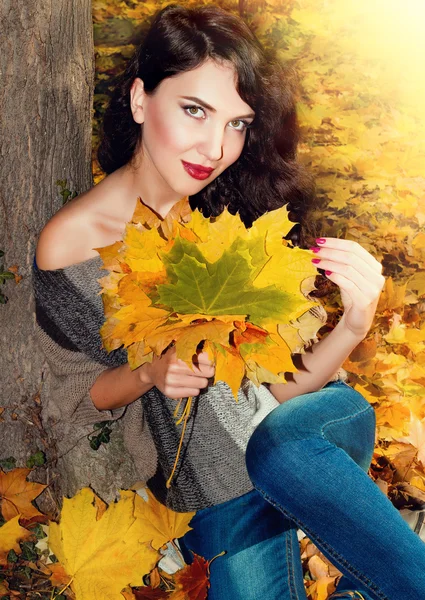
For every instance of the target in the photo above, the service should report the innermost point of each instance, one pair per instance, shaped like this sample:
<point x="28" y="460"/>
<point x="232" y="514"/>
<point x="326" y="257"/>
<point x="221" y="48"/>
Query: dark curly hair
<point x="267" y="174"/>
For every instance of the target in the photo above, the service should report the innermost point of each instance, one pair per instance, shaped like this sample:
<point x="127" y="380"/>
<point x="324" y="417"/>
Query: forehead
<point x="215" y="83"/>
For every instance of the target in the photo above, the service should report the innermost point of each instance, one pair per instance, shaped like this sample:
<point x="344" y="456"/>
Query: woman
<point x="203" y="111"/>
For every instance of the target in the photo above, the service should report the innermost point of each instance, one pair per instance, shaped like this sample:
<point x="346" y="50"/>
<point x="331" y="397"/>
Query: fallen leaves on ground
<point x="11" y="533"/>
<point x="101" y="556"/>
<point x="160" y="524"/>
<point x="192" y="582"/>
<point x="16" y="495"/>
<point x="103" y="552"/>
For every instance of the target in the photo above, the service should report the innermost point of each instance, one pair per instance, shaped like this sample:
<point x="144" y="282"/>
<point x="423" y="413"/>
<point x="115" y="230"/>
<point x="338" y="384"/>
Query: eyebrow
<point x="211" y="108"/>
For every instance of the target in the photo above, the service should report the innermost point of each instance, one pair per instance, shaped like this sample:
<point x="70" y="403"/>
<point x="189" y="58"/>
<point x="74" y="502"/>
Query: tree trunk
<point x="46" y="95"/>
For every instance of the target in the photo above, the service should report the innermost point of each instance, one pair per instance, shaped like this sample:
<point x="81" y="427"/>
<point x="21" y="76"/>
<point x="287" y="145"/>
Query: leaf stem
<point x="185" y="417"/>
<point x="63" y="589"/>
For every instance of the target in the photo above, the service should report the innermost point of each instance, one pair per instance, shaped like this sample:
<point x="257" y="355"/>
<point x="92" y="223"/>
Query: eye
<point x="244" y="123"/>
<point x="192" y="110"/>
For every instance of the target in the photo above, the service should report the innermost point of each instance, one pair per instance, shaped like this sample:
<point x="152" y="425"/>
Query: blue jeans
<point x="308" y="461"/>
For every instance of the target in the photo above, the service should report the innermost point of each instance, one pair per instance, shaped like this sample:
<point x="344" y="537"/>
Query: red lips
<point x="197" y="168"/>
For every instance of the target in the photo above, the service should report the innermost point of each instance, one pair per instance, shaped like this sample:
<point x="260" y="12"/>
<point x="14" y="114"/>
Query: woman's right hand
<point x="174" y="378"/>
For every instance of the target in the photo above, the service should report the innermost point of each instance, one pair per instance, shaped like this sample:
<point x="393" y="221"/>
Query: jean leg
<point x="309" y="458"/>
<point x="262" y="557"/>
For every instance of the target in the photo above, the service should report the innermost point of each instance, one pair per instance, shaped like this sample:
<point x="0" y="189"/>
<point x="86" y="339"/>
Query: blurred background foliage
<point x="362" y="113"/>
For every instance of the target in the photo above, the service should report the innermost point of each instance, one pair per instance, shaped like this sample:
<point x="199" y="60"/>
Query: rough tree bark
<point x="46" y="94"/>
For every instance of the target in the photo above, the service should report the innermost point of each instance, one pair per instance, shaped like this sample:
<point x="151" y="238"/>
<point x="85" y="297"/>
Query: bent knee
<point x="337" y="413"/>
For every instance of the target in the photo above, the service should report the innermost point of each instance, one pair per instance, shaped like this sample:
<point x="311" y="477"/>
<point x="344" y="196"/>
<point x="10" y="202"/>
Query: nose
<point x="212" y="143"/>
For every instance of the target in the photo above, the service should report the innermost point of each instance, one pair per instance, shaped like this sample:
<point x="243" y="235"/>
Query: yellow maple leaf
<point x="187" y="273"/>
<point x="16" y="494"/>
<point x="11" y="533"/>
<point x="159" y="523"/>
<point x="142" y="252"/>
<point x="392" y="296"/>
<point x="416" y="437"/>
<point x="101" y="555"/>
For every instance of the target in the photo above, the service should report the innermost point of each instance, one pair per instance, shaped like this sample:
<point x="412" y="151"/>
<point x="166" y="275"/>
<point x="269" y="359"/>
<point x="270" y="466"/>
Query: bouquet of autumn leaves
<point x="210" y="283"/>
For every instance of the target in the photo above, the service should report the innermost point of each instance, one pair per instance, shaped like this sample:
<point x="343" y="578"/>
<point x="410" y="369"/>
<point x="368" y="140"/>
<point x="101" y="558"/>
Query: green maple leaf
<point x="221" y="288"/>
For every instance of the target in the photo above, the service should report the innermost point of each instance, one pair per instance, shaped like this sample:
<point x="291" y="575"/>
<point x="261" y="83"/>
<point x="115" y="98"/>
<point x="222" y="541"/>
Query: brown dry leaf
<point x="149" y="593"/>
<point x="159" y="523"/>
<point x="4" y="589"/>
<point x="416" y="437"/>
<point x="16" y="494"/>
<point x="318" y="567"/>
<point x="14" y="269"/>
<point x="192" y="582"/>
<point x="366" y="350"/>
<point x="154" y="578"/>
<point x="10" y="534"/>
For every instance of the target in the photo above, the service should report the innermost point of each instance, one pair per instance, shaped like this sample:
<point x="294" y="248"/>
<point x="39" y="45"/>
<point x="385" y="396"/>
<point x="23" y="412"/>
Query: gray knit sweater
<point x="211" y="468"/>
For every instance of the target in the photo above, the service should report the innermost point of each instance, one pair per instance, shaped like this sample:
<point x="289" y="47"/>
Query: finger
<point x="177" y="393"/>
<point x="205" y="371"/>
<point x="181" y="368"/>
<point x="186" y="381"/>
<point x="369" y="287"/>
<point x="349" y="246"/>
<point x="359" y="290"/>
<point x="353" y="268"/>
<point x="204" y="359"/>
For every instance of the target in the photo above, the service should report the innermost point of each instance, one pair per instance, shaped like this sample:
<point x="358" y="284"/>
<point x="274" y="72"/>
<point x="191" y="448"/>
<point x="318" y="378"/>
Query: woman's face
<point x="195" y="117"/>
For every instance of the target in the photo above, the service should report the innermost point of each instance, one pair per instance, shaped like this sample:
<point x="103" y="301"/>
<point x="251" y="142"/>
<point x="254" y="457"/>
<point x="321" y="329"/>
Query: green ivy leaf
<point x="8" y="463"/>
<point x="36" y="460"/>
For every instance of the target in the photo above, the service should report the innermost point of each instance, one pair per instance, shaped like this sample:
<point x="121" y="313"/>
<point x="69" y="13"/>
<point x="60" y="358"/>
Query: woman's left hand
<point x="358" y="275"/>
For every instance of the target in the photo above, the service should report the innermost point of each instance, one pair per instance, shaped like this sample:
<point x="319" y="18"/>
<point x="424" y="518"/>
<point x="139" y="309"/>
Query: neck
<point x="141" y="179"/>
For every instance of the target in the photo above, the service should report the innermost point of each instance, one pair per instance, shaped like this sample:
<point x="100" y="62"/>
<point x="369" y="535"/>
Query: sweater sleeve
<point x="71" y="376"/>
<point x="69" y="314"/>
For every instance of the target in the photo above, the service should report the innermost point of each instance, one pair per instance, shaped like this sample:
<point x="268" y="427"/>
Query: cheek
<point x="235" y="148"/>
<point x="164" y="134"/>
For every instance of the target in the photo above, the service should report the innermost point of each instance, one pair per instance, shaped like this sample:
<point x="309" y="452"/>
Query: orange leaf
<point x="180" y="212"/>
<point x="192" y="582"/>
<point x="59" y="576"/>
<point x="110" y="256"/>
<point x="16" y="495"/>
<point x="249" y="334"/>
<point x="10" y="534"/>
<point x="229" y="366"/>
<point x="145" y="216"/>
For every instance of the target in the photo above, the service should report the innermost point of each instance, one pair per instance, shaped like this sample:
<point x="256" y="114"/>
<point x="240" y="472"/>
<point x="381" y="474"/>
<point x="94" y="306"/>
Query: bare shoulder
<point x="66" y="238"/>
<point x="94" y="219"/>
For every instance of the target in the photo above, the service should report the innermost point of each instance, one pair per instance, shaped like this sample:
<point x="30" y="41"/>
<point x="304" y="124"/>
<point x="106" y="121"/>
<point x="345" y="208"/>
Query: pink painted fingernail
<point x="315" y="249"/>
<point x="315" y="260"/>
<point x="328" y="272"/>
<point x="320" y="241"/>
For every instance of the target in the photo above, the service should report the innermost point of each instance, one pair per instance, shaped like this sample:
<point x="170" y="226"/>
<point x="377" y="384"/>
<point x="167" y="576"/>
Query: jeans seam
<point x="290" y="562"/>
<point x="339" y="559"/>
<point x="342" y="419"/>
